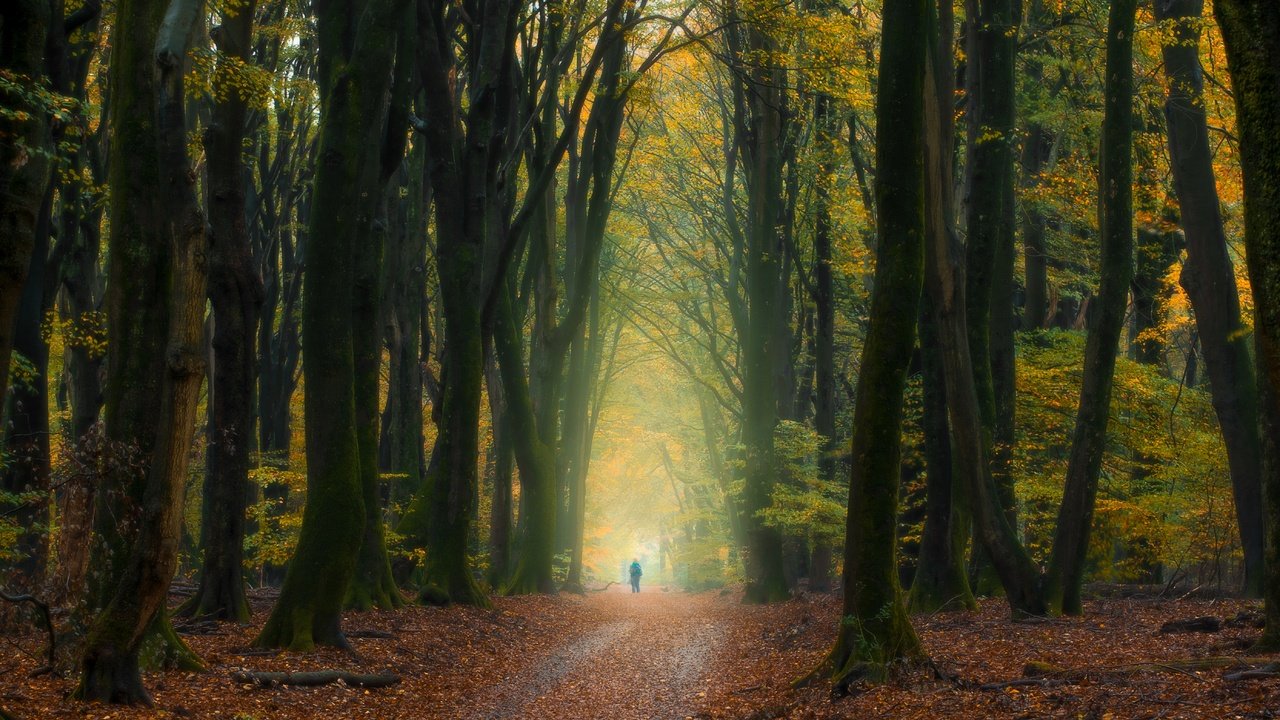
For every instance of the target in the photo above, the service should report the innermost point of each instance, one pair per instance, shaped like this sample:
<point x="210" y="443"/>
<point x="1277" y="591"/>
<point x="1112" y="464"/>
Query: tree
<point x="110" y="661"/>
<point x="940" y="579"/>
<point x="1251" y="33"/>
<point x="464" y="178"/>
<point x="357" y="45"/>
<point x="990" y="78"/>
<point x="235" y="294"/>
<point x="1065" y="576"/>
<point x="759" y="98"/>
<point x="875" y="630"/>
<point x="1209" y="277"/>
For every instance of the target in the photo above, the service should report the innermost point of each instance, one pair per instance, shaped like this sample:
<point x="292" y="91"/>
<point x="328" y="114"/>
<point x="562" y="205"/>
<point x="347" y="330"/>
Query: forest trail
<point x="644" y="656"/>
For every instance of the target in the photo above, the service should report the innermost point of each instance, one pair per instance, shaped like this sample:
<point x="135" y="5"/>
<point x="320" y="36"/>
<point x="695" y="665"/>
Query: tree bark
<point x="1208" y="277"/>
<point x="940" y="579"/>
<point x="875" y="629"/>
<point x="989" y="212"/>
<point x="235" y="294"/>
<point x="1251" y="34"/>
<point x="1065" y="576"/>
<point x="764" y="89"/>
<point x="110" y="663"/>
<point x="355" y="81"/>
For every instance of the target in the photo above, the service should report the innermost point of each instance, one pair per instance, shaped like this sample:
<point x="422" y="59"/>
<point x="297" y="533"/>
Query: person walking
<point x="635" y="572"/>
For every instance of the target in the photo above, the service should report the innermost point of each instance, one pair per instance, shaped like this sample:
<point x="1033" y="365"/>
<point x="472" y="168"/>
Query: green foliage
<point x="804" y="504"/>
<point x="1164" y="496"/>
<point x="281" y="494"/>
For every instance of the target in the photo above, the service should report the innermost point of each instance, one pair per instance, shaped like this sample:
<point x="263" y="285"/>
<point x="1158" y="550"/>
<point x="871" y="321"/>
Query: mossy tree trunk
<point x="991" y="76"/>
<point x="464" y="167"/>
<point x="1208" y="276"/>
<point x="941" y="580"/>
<point x="500" y="510"/>
<point x="140" y="267"/>
<point x="759" y="100"/>
<point x="1065" y="576"/>
<point x="110" y="662"/>
<point x="875" y="630"/>
<point x="1251" y="34"/>
<point x="235" y="294"/>
<point x="357" y="44"/>
<point x="373" y="584"/>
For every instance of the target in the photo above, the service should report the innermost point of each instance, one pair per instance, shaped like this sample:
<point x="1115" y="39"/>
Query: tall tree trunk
<point x="989" y="213"/>
<point x="1115" y="198"/>
<point x="355" y="81"/>
<point x="875" y="629"/>
<point x="940" y="579"/>
<point x="1251" y="34"/>
<point x="824" y="399"/>
<point x="464" y="179"/>
<point x="110" y="663"/>
<point x="373" y="584"/>
<point x="235" y="294"/>
<point x="766" y="580"/>
<point x="404" y="441"/>
<point x="139" y="303"/>
<point x="1209" y="278"/>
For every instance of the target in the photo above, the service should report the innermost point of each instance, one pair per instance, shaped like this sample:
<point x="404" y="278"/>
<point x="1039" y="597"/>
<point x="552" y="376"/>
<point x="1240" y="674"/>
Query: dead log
<point x="314" y="678"/>
<point x="1203" y="624"/>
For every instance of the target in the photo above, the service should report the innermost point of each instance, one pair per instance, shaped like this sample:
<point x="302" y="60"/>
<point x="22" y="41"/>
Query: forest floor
<point x="616" y="655"/>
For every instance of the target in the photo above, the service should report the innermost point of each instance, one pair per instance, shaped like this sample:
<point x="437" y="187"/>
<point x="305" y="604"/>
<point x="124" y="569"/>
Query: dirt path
<point x="643" y="656"/>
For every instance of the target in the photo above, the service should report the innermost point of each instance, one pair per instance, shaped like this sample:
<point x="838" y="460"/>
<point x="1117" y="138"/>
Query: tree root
<point x="314" y="678"/>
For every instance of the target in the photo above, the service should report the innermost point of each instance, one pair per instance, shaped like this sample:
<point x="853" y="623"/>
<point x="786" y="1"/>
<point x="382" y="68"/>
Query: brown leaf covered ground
<point x="674" y="655"/>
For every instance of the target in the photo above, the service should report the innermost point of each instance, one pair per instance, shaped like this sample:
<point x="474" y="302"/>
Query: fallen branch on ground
<point x="314" y="678"/>
<point x="371" y="634"/>
<point x="1046" y="675"/>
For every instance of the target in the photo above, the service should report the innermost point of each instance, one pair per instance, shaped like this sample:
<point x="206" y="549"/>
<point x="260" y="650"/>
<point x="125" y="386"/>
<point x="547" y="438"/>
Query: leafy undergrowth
<point x="674" y="655"/>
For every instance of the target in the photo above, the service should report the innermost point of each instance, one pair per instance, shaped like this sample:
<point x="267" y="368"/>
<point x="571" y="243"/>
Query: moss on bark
<point x="875" y="631"/>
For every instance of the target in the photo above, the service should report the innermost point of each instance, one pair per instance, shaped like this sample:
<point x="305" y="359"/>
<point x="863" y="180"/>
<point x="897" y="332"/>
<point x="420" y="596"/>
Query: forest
<point x="639" y="359"/>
